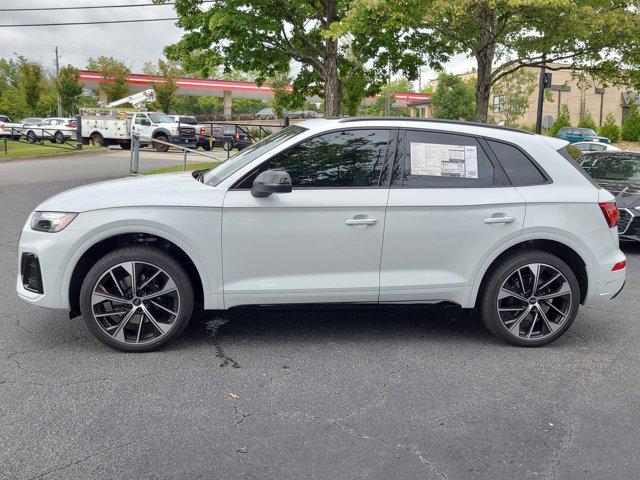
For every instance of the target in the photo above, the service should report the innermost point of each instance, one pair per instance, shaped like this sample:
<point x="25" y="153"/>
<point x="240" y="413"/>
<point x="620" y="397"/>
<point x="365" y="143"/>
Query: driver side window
<point x="347" y="158"/>
<point x="140" y="119"/>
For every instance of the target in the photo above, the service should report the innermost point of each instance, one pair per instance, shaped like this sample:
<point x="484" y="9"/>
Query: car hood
<point x="627" y="193"/>
<point x="168" y="189"/>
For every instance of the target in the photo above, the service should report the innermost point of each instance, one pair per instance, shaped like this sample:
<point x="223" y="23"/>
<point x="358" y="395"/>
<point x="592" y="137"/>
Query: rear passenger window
<point x="443" y="160"/>
<point x="519" y="168"/>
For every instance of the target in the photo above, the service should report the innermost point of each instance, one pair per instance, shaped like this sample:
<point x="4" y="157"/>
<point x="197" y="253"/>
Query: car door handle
<point x="499" y="219"/>
<point x="361" y="221"/>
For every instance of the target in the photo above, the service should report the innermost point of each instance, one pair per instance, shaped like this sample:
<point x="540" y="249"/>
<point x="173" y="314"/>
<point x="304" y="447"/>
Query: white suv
<point x="360" y="211"/>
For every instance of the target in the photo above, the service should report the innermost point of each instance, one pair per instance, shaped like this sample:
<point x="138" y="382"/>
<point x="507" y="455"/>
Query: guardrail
<point x="135" y="152"/>
<point x="13" y="134"/>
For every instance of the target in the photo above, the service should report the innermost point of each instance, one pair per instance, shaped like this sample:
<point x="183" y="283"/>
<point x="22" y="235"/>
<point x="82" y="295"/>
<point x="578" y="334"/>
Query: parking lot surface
<point x="319" y="395"/>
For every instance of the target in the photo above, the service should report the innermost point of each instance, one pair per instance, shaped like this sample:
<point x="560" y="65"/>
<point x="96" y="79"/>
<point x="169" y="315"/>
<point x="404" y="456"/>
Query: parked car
<point x="226" y="136"/>
<point x="30" y="121"/>
<point x="594" y="147"/>
<point x="57" y="130"/>
<point x="9" y="129"/>
<point x="371" y="211"/>
<point x="304" y="114"/>
<point x="575" y="134"/>
<point x="266" y="114"/>
<point x="619" y="173"/>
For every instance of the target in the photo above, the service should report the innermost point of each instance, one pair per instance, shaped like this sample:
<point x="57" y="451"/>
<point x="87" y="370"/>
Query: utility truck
<point x="113" y="127"/>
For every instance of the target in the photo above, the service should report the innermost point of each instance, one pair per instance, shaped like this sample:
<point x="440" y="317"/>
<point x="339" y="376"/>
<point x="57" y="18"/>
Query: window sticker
<point x="438" y="160"/>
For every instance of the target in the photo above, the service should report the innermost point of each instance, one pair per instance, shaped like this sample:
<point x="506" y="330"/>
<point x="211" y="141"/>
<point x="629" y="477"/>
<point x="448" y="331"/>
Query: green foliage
<point x="453" y="98"/>
<point x="68" y="89"/>
<point x="115" y="75"/>
<point x="587" y="121"/>
<point x="515" y="93"/>
<point x="166" y="89"/>
<point x="264" y="36"/>
<point x="32" y="83"/>
<point x="609" y="128"/>
<point x="379" y="106"/>
<point x="630" y="131"/>
<point x="563" y="120"/>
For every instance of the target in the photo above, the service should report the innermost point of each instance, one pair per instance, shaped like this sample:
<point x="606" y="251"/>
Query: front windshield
<point x="618" y="168"/>
<point x="587" y="131"/>
<point x="161" y="118"/>
<point x="216" y="175"/>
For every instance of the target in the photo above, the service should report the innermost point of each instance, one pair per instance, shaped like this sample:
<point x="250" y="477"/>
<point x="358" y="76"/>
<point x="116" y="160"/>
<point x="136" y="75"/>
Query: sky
<point x="133" y="44"/>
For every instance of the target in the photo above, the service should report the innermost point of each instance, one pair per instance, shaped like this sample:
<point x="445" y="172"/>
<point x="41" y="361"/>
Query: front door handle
<point x="357" y="220"/>
<point x="499" y="219"/>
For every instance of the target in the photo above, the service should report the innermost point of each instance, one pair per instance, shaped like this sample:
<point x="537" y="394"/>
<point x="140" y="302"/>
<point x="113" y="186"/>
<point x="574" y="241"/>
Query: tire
<point x="152" y="319"/>
<point x="227" y="145"/>
<point x="97" y="140"/>
<point x="31" y="136"/>
<point x="58" y="138"/>
<point x="206" y="147"/>
<point x="513" y="312"/>
<point x="160" y="147"/>
<point x="125" y="146"/>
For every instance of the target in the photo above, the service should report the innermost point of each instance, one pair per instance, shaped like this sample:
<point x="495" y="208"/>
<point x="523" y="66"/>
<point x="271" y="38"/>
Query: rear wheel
<point x="31" y="136"/>
<point x="530" y="299"/>
<point x="58" y="138"/>
<point x="97" y="140"/>
<point x="205" y="147"/>
<point x="125" y="146"/>
<point x="227" y="145"/>
<point x="136" y="299"/>
<point x="161" y="147"/>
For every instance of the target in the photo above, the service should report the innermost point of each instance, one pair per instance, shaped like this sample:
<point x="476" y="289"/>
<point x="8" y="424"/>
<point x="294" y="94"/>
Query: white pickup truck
<point x="9" y="129"/>
<point x="102" y="128"/>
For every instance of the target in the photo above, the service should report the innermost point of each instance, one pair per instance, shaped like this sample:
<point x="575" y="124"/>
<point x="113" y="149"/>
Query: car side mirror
<point x="271" y="181"/>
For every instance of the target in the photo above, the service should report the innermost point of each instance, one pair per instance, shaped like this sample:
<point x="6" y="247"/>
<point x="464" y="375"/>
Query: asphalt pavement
<point x="307" y="395"/>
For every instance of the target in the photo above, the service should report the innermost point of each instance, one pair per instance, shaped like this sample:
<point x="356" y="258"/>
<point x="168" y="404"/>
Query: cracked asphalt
<point x="308" y="395"/>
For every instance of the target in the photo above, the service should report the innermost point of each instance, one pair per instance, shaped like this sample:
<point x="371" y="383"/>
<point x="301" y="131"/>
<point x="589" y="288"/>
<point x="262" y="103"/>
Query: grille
<point x="188" y="130"/>
<point x="30" y="272"/>
<point x="624" y="220"/>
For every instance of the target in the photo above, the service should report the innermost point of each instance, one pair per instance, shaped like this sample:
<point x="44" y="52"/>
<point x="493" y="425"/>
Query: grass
<point x="178" y="168"/>
<point x="22" y="149"/>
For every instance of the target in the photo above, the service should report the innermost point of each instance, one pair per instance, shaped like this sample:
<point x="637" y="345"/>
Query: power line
<point x="89" y="23"/>
<point x="84" y="7"/>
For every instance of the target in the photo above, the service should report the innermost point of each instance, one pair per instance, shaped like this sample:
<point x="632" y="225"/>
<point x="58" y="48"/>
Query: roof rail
<point x="434" y="120"/>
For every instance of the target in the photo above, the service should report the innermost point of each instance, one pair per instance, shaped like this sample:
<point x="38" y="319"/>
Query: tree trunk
<point x="332" y="85"/>
<point x="485" y="54"/>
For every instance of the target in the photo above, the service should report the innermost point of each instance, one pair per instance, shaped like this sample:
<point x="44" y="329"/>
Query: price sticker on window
<point x="439" y="160"/>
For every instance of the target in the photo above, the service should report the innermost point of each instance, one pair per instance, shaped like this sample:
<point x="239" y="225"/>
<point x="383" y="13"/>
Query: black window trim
<point x="545" y="175"/>
<point x="481" y="139"/>
<point x="387" y="162"/>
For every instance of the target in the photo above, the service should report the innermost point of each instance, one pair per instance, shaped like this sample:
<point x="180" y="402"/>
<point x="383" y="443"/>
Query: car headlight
<point x="51" y="221"/>
<point x="173" y="131"/>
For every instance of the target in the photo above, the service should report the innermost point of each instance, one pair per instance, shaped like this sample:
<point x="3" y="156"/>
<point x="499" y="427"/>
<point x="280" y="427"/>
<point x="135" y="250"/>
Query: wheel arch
<point x="559" y="247"/>
<point x="161" y="131"/>
<point x="100" y="245"/>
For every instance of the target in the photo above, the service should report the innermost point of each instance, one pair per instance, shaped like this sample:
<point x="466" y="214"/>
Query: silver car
<point x="57" y="130"/>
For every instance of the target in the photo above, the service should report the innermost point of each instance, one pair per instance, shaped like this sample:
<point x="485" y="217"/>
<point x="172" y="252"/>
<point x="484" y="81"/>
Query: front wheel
<point x="97" y="140"/>
<point x="530" y="299"/>
<point x="161" y="147"/>
<point x="31" y="136"/>
<point x="136" y="299"/>
<point x="227" y="145"/>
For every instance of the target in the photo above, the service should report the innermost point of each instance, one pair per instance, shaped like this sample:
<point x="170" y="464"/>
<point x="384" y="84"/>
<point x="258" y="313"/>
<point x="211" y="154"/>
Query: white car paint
<point x="594" y="147"/>
<point x="425" y="244"/>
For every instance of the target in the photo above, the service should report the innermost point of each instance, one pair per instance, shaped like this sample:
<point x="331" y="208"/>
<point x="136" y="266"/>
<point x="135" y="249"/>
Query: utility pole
<point x="388" y="105"/>
<point x="541" y="85"/>
<point x="58" y="77"/>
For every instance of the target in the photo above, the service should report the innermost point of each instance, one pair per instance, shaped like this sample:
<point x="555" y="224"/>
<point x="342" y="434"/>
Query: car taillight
<point x="201" y="130"/>
<point x="619" y="266"/>
<point x="237" y="136"/>
<point x="610" y="212"/>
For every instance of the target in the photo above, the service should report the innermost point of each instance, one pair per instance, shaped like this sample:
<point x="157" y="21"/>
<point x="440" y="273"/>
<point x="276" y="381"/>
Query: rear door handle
<point x="499" y="219"/>
<point x="361" y="221"/>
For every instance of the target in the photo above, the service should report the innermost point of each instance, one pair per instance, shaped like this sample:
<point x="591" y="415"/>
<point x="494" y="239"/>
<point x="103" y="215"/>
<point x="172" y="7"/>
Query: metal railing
<point x="135" y="152"/>
<point x="20" y="135"/>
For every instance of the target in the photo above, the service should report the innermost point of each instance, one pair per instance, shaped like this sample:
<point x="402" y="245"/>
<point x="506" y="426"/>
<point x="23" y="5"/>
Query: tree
<point x="68" y="88"/>
<point x="587" y="121"/>
<point x="630" y="131"/>
<point x="453" y="98"/>
<point x="514" y="93"/>
<point x="266" y="35"/>
<point x="31" y="80"/>
<point x="563" y="120"/>
<point x="379" y="105"/>
<point x="165" y="88"/>
<point x="115" y="75"/>
<point x="504" y="36"/>
<point x="609" y="128"/>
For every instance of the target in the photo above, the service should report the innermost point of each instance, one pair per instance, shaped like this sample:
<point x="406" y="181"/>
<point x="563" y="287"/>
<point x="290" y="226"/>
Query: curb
<point x="73" y="153"/>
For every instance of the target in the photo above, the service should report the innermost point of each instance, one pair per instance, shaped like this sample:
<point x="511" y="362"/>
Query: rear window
<point x="519" y="168"/>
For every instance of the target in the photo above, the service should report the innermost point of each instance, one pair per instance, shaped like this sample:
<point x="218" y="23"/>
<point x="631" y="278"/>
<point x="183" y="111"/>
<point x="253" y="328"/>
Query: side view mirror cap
<point x="271" y="181"/>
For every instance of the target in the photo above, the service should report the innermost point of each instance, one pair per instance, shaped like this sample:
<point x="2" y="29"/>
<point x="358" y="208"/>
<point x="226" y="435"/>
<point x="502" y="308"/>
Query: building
<point x="581" y="96"/>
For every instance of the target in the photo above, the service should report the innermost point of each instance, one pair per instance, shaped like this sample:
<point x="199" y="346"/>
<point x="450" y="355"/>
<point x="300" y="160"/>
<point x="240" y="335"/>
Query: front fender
<point x="201" y="250"/>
